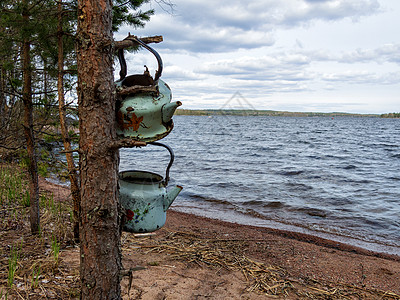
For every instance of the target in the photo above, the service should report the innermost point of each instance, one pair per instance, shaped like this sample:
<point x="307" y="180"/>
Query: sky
<point x="287" y="55"/>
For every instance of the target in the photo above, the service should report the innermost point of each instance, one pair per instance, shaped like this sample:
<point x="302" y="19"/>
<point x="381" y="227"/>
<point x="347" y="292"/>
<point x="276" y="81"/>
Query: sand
<point x="307" y="266"/>
<point x="306" y="263"/>
<point x="194" y="257"/>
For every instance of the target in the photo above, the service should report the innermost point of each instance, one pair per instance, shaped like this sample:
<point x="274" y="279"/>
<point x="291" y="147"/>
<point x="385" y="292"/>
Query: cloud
<point x="206" y="38"/>
<point x="270" y="50"/>
<point x="362" y="77"/>
<point x="390" y="52"/>
<point x="359" y="77"/>
<point x="303" y="12"/>
<point x="228" y="25"/>
<point x="250" y="65"/>
<point x="284" y="72"/>
<point x="385" y="54"/>
<point x="176" y="73"/>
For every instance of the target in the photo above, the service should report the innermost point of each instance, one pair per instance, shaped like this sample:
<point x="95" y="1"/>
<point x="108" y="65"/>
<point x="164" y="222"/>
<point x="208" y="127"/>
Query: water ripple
<point x="337" y="176"/>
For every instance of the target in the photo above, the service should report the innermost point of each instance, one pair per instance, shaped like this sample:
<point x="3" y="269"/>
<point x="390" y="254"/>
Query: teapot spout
<point x="172" y="193"/>
<point x="168" y="110"/>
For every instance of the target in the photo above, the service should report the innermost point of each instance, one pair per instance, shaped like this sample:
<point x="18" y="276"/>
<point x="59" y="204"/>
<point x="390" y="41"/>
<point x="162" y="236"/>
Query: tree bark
<point x="28" y="130"/>
<point x="72" y="172"/>
<point x="100" y="212"/>
<point x="2" y="98"/>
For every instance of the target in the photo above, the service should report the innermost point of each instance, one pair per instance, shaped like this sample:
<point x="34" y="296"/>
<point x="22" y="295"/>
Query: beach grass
<point x="37" y="267"/>
<point x="33" y="267"/>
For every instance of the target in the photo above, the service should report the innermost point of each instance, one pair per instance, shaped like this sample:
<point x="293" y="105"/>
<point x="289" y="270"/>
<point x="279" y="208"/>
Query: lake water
<point x="337" y="178"/>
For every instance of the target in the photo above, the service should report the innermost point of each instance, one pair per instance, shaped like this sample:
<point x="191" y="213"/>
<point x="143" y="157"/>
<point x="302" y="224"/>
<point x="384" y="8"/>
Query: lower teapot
<point x="145" y="198"/>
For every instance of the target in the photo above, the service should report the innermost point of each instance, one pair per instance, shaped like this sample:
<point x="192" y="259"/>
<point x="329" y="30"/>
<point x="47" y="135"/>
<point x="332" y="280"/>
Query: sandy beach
<point x="193" y="257"/>
<point x="295" y="266"/>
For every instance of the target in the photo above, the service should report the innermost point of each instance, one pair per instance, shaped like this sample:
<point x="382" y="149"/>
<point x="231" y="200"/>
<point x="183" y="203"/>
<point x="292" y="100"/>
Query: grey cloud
<point x="218" y="27"/>
<point x="254" y="15"/>
<point x="288" y="73"/>
<point x="312" y="1"/>
<point x="247" y="15"/>
<point x="175" y="73"/>
<point x="206" y="39"/>
<point x="227" y="25"/>
<point x="267" y="68"/>
<point x="386" y="53"/>
<point x="328" y="11"/>
<point x="350" y="77"/>
<point x="389" y="53"/>
<point x="359" y="77"/>
<point x="391" y="78"/>
<point x="360" y="55"/>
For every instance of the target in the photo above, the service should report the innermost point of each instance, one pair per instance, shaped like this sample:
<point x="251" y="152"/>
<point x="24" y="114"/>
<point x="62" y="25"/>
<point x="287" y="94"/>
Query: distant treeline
<point x="236" y="112"/>
<point x="391" y="115"/>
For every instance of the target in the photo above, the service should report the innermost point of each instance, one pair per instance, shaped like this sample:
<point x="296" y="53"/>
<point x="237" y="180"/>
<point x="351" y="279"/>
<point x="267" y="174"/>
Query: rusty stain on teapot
<point x="145" y="111"/>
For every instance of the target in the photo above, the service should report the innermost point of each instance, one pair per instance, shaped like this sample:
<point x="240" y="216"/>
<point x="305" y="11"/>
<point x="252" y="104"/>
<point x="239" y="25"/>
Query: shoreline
<point x="305" y="264"/>
<point x="356" y="243"/>
<point x="295" y="235"/>
<point x="319" y="238"/>
<point x="285" y="227"/>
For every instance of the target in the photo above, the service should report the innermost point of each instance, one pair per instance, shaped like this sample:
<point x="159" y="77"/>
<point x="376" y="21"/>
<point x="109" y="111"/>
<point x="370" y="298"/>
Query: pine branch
<point x="123" y="4"/>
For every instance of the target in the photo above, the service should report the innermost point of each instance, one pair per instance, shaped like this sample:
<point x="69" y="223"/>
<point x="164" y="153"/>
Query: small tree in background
<point x="24" y="23"/>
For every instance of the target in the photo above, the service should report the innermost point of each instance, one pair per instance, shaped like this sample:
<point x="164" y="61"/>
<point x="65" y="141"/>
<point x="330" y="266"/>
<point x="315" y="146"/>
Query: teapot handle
<point x="158" y="57"/>
<point x="171" y="153"/>
<point x="122" y="61"/>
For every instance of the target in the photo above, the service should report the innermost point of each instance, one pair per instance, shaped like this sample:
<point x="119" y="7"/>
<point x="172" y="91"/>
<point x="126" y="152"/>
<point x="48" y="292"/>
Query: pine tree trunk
<point x="2" y="98"/>
<point x="29" y="136"/>
<point x="72" y="173"/>
<point x="100" y="219"/>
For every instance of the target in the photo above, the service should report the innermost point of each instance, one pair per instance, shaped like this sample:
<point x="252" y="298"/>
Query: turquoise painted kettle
<point x="145" y="112"/>
<point x="145" y="198"/>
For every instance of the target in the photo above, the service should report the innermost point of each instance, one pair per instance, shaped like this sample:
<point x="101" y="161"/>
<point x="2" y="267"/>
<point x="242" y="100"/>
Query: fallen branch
<point x="136" y="89"/>
<point x="130" y="41"/>
<point x="126" y="143"/>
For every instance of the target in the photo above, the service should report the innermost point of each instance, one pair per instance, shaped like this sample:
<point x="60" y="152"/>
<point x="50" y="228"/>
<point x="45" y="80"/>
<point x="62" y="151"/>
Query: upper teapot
<point x="145" y="112"/>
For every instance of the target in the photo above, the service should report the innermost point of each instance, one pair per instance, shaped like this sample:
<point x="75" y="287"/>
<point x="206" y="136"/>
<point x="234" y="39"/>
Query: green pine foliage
<point x="128" y="13"/>
<point x="34" y="22"/>
<point x="42" y="32"/>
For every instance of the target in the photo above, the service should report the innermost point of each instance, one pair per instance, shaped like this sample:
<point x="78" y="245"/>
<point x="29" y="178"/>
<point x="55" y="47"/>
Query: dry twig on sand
<point x="270" y="280"/>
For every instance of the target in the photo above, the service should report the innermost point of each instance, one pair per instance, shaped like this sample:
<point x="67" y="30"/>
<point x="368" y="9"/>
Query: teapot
<point x="145" y="112"/>
<point x="145" y="198"/>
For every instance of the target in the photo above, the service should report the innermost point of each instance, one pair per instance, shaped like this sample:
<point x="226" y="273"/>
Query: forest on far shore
<point x="241" y="112"/>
